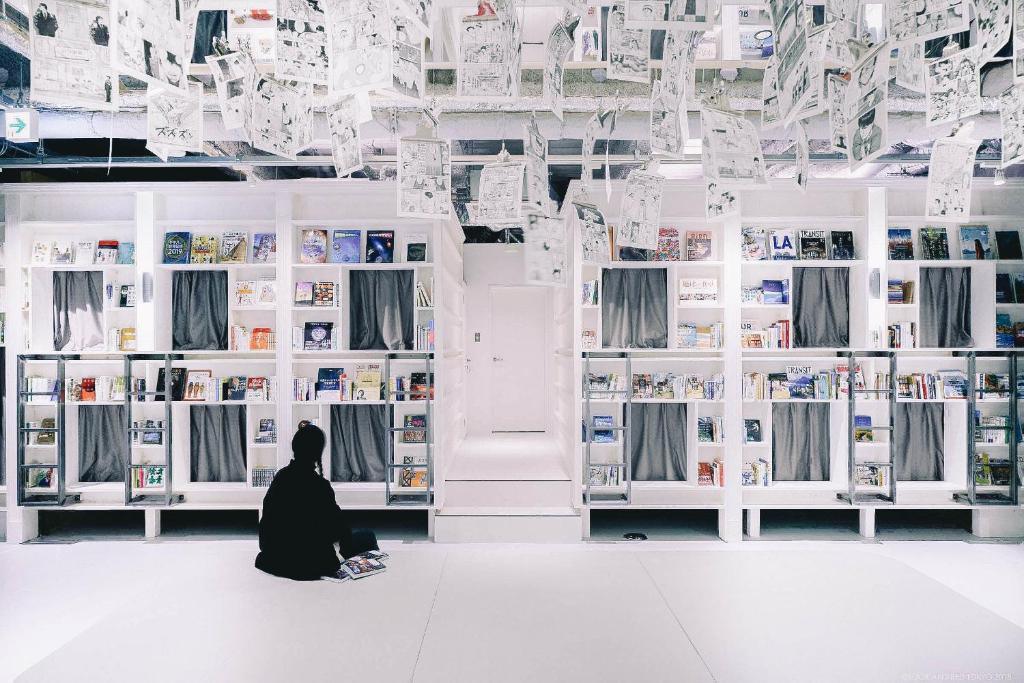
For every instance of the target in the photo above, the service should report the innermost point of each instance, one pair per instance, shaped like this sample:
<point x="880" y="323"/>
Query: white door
<point x="518" y="387"/>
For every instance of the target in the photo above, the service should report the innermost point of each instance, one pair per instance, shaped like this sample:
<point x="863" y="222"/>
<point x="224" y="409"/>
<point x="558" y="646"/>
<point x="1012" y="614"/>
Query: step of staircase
<point x="532" y="493"/>
<point x="494" y="524"/>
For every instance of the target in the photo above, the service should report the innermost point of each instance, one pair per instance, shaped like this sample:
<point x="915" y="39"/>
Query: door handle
<point x="497" y="359"/>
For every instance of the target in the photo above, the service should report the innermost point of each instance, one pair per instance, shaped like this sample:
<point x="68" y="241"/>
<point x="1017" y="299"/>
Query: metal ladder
<point x="396" y="495"/>
<point x="155" y="495"/>
<point x="971" y="496"/>
<point x="616" y="496"/>
<point x="59" y="496"/>
<point x="855" y="496"/>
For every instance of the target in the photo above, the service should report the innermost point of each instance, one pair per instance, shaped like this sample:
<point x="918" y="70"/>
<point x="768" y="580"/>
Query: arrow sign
<point x="18" y="125"/>
<point x="21" y="125"/>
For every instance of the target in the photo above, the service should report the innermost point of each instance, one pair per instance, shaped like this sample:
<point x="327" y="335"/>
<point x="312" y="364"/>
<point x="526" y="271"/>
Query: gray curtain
<point x="199" y="310"/>
<point x="218" y="443"/>
<point x="78" y="310"/>
<point x="381" y="309"/>
<point x="634" y="308"/>
<point x="658" y="441"/>
<point x="800" y="441"/>
<point x="918" y="441"/>
<point x="102" y="451"/>
<point x="945" y="308"/>
<point x="359" y="436"/>
<point x="821" y="307"/>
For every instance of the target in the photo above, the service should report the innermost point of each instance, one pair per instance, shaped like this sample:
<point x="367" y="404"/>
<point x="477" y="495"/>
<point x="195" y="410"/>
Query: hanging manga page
<point x="814" y="59"/>
<point x="359" y="45"/>
<point x="953" y="87"/>
<point x="151" y="42"/>
<point x="789" y="27"/>
<point x="407" y="76"/>
<point x="640" y="216"/>
<point x="545" y="251"/>
<point x="668" y="119"/>
<point x="535" y="148"/>
<point x="300" y="50"/>
<point x="599" y="125"/>
<point x="950" y="176"/>
<point x="69" y="43"/>
<point x="417" y="12"/>
<point x="1018" y="40"/>
<point x="282" y="117"/>
<point x="910" y="67"/>
<point x="720" y="201"/>
<point x="913" y="21"/>
<point x="770" y="114"/>
<point x="174" y="123"/>
<point x="424" y="178"/>
<point x="234" y="76"/>
<point x="732" y="149"/>
<point x="866" y="110"/>
<point x="841" y="17"/>
<point x="629" y="50"/>
<point x="836" y="95"/>
<point x="689" y="15"/>
<point x="343" y="119"/>
<point x="484" y="58"/>
<point x="597" y="247"/>
<point x="802" y="152"/>
<point x="994" y="25"/>
<point x="559" y="46"/>
<point x="501" y="193"/>
<point x="1011" y="118"/>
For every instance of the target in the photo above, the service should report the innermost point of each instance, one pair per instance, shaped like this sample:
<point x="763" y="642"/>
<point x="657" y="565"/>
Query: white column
<point x="754" y="523"/>
<point x="867" y="522"/>
<point x="285" y="246"/>
<point x="875" y="251"/>
<point x="152" y="522"/>
<point x="997" y="522"/>
<point x="145" y="260"/>
<point x="730" y="524"/>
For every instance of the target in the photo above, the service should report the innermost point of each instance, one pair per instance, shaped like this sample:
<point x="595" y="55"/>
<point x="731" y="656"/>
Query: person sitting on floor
<point x="301" y="521"/>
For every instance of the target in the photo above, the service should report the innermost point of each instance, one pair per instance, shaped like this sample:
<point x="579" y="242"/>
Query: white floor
<point x="769" y="611"/>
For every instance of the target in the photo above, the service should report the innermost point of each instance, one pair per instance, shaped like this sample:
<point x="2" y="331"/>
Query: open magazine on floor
<point x="360" y="566"/>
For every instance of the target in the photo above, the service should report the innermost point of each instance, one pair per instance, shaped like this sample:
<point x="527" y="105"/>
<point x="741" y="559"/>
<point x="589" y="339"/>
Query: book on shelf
<point x="264" y="247"/>
<point x="266" y="291"/>
<point x="262" y="339"/>
<point x="1008" y="245"/>
<point x="974" y="243"/>
<point x="698" y="245"/>
<point x="1004" y="289"/>
<point x="869" y="474"/>
<point x="813" y="245"/>
<point x="692" y="335"/>
<point x="380" y="246"/>
<point x="993" y="385"/>
<point x="266" y="431"/>
<point x="303" y="293"/>
<point x="263" y="477"/>
<point x="62" y="252"/>
<point x="635" y="254"/>
<point x="934" y="244"/>
<point x="258" y="389"/>
<point x="345" y="246"/>
<point x="245" y="293"/>
<point x="367" y="383"/>
<point x="41" y="477"/>
<point x="318" y="336"/>
<point x="663" y="385"/>
<point x="754" y="246"/>
<point x="643" y="386"/>
<point x="122" y="339"/>
<point x="204" y="249"/>
<point x="1005" y="336"/>
<point x="992" y="471"/>
<point x="775" y="336"/>
<point x="234" y="246"/>
<point x="414" y="476"/>
<point x="668" y="244"/>
<point x="991" y="429"/>
<point x="106" y="251"/>
<point x="425" y="336"/>
<point x="313" y="246"/>
<point x="153" y="437"/>
<point x="751" y="294"/>
<point x="705" y="474"/>
<point x="710" y="428"/>
<point x="842" y="245"/>
<point x="126" y="296"/>
<point x="902" y="334"/>
<point x="704" y="289"/>
<point x="900" y="292"/>
<point x="177" y="247"/>
<point x="323" y="294"/>
<point x="421" y="386"/>
<point x="239" y="338"/>
<point x="756" y="473"/>
<point x="600" y="433"/>
<point x="425" y="294"/>
<point x="751" y="430"/>
<point x="718" y="472"/>
<point x="197" y="385"/>
<point x="588" y="340"/>
<point x="1018" y="287"/>
<point x="177" y="384"/>
<point x="415" y="429"/>
<point x="954" y="384"/>
<point x="416" y="248"/>
<point x="604" y="475"/>
<point x="901" y="244"/>
<point x="41" y="252"/>
<point x="233" y="388"/>
<point x="588" y="296"/>
<point x="332" y="384"/>
<point x="783" y="244"/>
<point x="862" y="429"/>
<point x="775" y="292"/>
<point x="85" y="252"/>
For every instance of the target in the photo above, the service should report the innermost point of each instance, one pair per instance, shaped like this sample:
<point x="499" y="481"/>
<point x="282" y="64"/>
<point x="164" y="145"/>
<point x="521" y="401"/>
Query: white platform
<point x="586" y="612"/>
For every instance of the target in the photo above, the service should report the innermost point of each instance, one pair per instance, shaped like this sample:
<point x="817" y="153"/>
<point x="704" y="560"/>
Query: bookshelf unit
<point x="144" y="214"/>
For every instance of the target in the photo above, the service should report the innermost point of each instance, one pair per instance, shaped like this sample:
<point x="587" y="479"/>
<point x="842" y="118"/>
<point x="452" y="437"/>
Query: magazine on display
<point x="545" y="250"/>
<point x="174" y="122"/>
<point x="501" y="193"/>
<point x="234" y="76"/>
<point x="358" y="45"/>
<point x="629" y="50"/>
<point x="343" y="118"/>
<point x="408" y="79"/>
<point x="69" y="44"/>
<point x="593" y="233"/>
<point x="950" y="177"/>
<point x="535" y="150"/>
<point x="558" y="48"/>
<point x="640" y="214"/>
<point x="953" y="87"/>
<point x="282" y="117"/>
<point x="300" y="49"/>
<point x="424" y="178"/>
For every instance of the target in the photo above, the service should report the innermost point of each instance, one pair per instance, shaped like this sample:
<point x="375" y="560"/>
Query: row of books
<point x="604" y="475"/>
<point x="242" y="338"/>
<point x="775" y="336"/>
<point x="119" y="296"/>
<point x="902" y="334"/>
<point x="800" y="382"/>
<point x="334" y="384"/>
<point x="699" y="246"/>
<point x="710" y="429"/>
<point x="589" y="293"/>
<point x="320" y="293"/>
<point x="1009" y="334"/>
<point x="149" y="477"/>
<point x="786" y="244"/>
<point x="994" y="471"/>
<point x="343" y="246"/>
<point x="83" y="252"/>
<point x="691" y="335"/>
<point x="425" y="336"/>
<point x="142" y="437"/>
<point x="991" y="429"/>
<point x="315" y="336"/>
<point x="266" y="431"/>
<point x="773" y="292"/>
<point x="232" y="246"/>
<point x="872" y="475"/>
<point x="657" y="385"/>
<point x="698" y="289"/>
<point x="425" y="294"/>
<point x="901" y="292"/>
<point x="711" y="473"/>
<point x="122" y="339"/>
<point x="934" y="243"/>
<point x="756" y="473"/>
<point x="262" y="477"/>
<point x="1010" y="288"/>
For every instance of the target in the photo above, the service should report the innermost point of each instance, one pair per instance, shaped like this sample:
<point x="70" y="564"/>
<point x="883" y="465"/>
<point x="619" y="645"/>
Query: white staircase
<point x="508" y="489"/>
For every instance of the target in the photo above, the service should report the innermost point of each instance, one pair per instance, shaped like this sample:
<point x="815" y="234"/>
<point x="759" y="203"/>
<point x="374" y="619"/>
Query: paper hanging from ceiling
<point x="814" y="60"/>
<point x="501" y="193"/>
<point x="343" y="119"/>
<point x="953" y="87"/>
<point x="1018" y="40"/>
<point x="174" y="122"/>
<point x="840" y="20"/>
<point x="234" y="76"/>
<point x="300" y="48"/>
<point x="867" y="110"/>
<point x="916" y="20"/>
<point x="151" y="43"/>
<point x="424" y="178"/>
<point x="558" y="48"/>
<point x="910" y="67"/>
<point x="282" y="117"/>
<point x="802" y="152"/>
<point x="629" y="50"/>
<point x="770" y="114"/>
<point x="487" y="46"/>
<point x="418" y="12"/>
<point x="731" y="149"/>
<point x="688" y="15"/>
<point x="358" y="45"/>
<point x="640" y="215"/>
<point x="720" y="201"/>
<point x="601" y="124"/>
<point x="545" y="251"/>
<point x="789" y="26"/>
<point x="535" y="149"/>
<point x="994" y="26"/>
<point x="836" y="96"/>
<point x="408" y="79"/>
<point x="669" y="127"/>
<point x="597" y="247"/>
<point x="69" y="43"/>
<point x="1011" y="118"/>
<point x="950" y="176"/>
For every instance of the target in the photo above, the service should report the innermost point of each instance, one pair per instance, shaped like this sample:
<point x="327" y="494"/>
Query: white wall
<point x="486" y="265"/>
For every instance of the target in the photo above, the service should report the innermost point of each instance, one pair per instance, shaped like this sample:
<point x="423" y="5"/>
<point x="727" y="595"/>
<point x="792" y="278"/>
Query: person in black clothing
<point x="301" y="521"/>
